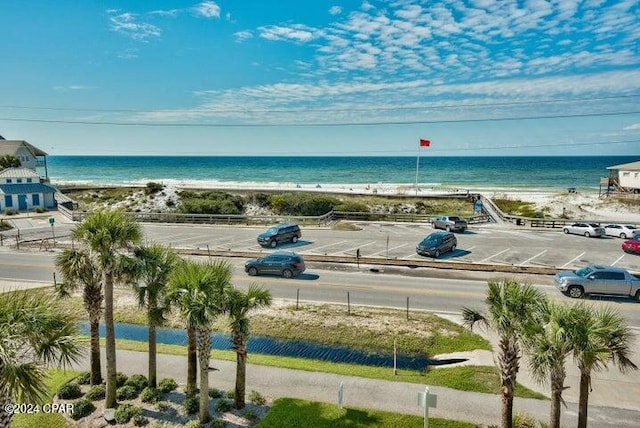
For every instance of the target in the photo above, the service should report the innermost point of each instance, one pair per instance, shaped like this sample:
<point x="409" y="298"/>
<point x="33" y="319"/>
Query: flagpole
<point x="417" y="167"/>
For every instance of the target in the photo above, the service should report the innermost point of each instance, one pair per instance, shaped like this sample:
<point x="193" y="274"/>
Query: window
<point x="8" y="181"/>
<point x="18" y="180"/>
<point x="8" y="201"/>
<point x="28" y="180"/>
<point x="36" y="199"/>
<point x="616" y="276"/>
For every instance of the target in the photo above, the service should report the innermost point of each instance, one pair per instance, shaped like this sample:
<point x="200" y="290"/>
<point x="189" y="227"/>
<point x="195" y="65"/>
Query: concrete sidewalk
<point x="397" y="397"/>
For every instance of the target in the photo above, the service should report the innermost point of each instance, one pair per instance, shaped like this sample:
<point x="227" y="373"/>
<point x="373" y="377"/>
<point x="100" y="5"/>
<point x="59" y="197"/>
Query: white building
<point x="21" y="189"/>
<point x="30" y="156"/>
<point x="626" y="176"/>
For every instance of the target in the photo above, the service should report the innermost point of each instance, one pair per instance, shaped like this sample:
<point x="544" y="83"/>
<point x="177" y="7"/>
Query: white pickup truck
<point x="598" y="279"/>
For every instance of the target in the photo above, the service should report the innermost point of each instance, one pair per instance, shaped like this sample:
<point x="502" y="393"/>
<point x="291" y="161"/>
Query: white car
<point x="623" y="231"/>
<point x="586" y="229"/>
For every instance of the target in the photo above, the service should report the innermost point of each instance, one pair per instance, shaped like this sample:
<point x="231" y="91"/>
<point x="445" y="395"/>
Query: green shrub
<point x="217" y="423"/>
<point x="126" y="392"/>
<point x="170" y="203"/>
<point x="138" y="381"/>
<point x="211" y="202"/>
<point x="4" y="225"/>
<point x="96" y="392"/>
<point x="83" y="378"/>
<point x="223" y="405"/>
<point x="524" y="420"/>
<point x="69" y="391"/>
<point x="163" y="406"/>
<point x="303" y="204"/>
<point x="149" y="395"/>
<point x="167" y="385"/>
<point x="215" y="393"/>
<point x="193" y="424"/>
<point x="191" y="405"/>
<point x="256" y="398"/>
<point x="230" y="394"/>
<point x="139" y="420"/>
<point x="8" y="211"/>
<point x="153" y="188"/>
<point x="249" y="414"/>
<point x="121" y="378"/>
<point x="262" y="200"/>
<point x="125" y="412"/>
<point x="352" y="207"/>
<point x="39" y="210"/>
<point x="81" y="408"/>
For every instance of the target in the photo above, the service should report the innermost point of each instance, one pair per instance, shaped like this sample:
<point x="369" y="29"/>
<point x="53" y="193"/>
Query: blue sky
<point x="313" y="77"/>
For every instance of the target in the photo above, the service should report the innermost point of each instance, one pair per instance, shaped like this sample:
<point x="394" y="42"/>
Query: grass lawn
<point x="292" y="413"/>
<point x="51" y="420"/>
<point x="520" y="208"/>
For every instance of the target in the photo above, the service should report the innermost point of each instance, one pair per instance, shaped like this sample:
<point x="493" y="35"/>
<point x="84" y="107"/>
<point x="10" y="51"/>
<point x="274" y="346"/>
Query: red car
<point x="632" y="245"/>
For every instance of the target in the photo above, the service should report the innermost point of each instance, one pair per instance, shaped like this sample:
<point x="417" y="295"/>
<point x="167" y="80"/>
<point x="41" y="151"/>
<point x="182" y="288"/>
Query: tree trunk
<point x="241" y="375"/>
<point x="110" y="398"/>
<point x="152" y="354"/>
<point x="583" y="403"/>
<point x="192" y="365"/>
<point x="96" y="369"/>
<point x="204" y="351"/>
<point x="5" y="417"/>
<point x="558" y="376"/>
<point x="508" y="360"/>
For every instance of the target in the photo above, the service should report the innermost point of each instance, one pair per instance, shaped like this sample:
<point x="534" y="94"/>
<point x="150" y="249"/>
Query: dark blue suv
<point x="284" y="263"/>
<point x="278" y="234"/>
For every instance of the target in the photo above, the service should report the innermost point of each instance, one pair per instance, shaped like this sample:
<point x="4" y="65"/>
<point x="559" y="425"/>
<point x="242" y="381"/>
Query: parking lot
<point x="495" y="244"/>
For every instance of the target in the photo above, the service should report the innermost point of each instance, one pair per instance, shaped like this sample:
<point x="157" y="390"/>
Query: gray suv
<point x="283" y="263"/>
<point x="278" y="234"/>
<point x="437" y="243"/>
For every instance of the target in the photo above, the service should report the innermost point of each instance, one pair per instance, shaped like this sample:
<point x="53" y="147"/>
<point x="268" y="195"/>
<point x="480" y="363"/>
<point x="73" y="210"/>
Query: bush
<point x="125" y="412"/>
<point x="39" y="210"/>
<point x="8" y="211"/>
<point x="249" y="414"/>
<point x="256" y="398"/>
<point x="69" y="391"/>
<point x="191" y="405"/>
<point x="82" y="408"/>
<point x="213" y="202"/>
<point x="170" y="203"/>
<point x="126" y="392"/>
<point x="524" y="420"/>
<point x="217" y="423"/>
<point x="163" y="406"/>
<point x="96" y="392"/>
<point x="263" y="200"/>
<point x="149" y="395"/>
<point x="223" y="405"/>
<point x="215" y="393"/>
<point x="303" y="204"/>
<point x="153" y="188"/>
<point x="121" y="378"/>
<point x="139" y="420"/>
<point x="230" y="394"/>
<point x="4" y="225"/>
<point x="352" y="207"/>
<point x="193" y="424"/>
<point x="167" y="385"/>
<point x="138" y="381"/>
<point x="83" y="378"/>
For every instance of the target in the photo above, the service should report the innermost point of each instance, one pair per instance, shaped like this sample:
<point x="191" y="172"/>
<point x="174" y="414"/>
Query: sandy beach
<point x="579" y="206"/>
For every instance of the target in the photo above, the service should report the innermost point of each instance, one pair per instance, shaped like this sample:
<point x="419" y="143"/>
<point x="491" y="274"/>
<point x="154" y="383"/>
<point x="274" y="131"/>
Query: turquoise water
<point x="542" y="173"/>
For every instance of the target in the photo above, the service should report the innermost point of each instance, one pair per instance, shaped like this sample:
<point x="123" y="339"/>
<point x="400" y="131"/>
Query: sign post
<point x="427" y="400"/>
<point x="53" y="233"/>
<point x="340" y="395"/>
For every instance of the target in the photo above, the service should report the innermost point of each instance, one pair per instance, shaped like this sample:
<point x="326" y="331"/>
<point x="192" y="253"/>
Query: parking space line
<point x="325" y="246"/>
<point x="531" y="258"/>
<point x="619" y="258"/>
<point x="390" y="249"/>
<point x="359" y="246"/>
<point x="573" y="259"/>
<point x="496" y="254"/>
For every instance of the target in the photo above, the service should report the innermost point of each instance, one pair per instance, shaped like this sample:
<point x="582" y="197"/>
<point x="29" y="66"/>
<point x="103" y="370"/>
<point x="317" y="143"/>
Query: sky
<point x="316" y="77"/>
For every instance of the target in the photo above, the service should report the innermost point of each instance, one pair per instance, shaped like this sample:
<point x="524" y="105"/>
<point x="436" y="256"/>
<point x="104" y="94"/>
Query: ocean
<point x="474" y="173"/>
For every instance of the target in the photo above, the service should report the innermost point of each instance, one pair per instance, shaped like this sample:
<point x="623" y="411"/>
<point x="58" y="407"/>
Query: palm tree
<point x="200" y="291"/>
<point x="9" y="161"/>
<point x="510" y="306"/>
<point x="78" y="270"/>
<point x="601" y="336"/>
<point x="549" y="343"/>
<point x="153" y="265"/>
<point x="238" y="306"/>
<point x="108" y="235"/>
<point x="35" y="333"/>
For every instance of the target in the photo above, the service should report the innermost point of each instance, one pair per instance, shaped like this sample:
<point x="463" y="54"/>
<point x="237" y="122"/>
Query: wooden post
<point x="54" y="279"/>
<point x="348" y="304"/>
<point x="297" y="298"/>
<point x="407" y="308"/>
<point x="395" y="357"/>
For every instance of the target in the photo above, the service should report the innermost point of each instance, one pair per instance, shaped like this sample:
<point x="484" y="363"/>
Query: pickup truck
<point x="450" y="223"/>
<point x="597" y="279"/>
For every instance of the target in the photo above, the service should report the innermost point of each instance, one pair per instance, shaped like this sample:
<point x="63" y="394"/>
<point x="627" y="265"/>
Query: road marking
<point x="325" y="246"/>
<point x="496" y="254"/>
<point x="390" y="249"/>
<point x="359" y="246"/>
<point x="573" y="259"/>
<point x="531" y="258"/>
<point x="619" y="258"/>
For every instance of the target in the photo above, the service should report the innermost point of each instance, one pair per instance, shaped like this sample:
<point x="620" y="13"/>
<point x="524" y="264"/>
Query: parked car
<point x="597" y="279"/>
<point x="623" y="231"/>
<point x="632" y="245"/>
<point x="586" y="229"/>
<point x="437" y="243"/>
<point x="278" y="234"/>
<point x="450" y="223"/>
<point x="284" y="263"/>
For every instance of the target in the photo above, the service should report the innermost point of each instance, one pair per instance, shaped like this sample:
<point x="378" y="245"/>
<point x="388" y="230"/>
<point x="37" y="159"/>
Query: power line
<point x="346" y="109"/>
<point x="316" y="125"/>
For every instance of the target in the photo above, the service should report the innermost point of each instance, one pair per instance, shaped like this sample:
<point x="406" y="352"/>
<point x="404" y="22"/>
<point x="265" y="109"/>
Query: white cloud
<point x="207" y="9"/>
<point x="72" y="88"/>
<point x="241" y="36"/>
<point x="125" y="23"/>
<point x="335" y="10"/>
<point x="171" y="12"/>
<point x="366" y="6"/>
<point x="296" y="33"/>
<point x="635" y="126"/>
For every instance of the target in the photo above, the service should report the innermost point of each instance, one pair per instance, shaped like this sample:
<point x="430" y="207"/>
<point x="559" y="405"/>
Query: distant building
<point x="625" y="177"/>
<point x="30" y="156"/>
<point x="22" y="189"/>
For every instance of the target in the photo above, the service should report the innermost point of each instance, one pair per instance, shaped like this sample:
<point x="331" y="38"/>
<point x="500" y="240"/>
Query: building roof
<point x="26" y="188"/>
<point x="18" y="173"/>
<point x="632" y="166"/>
<point x="10" y="147"/>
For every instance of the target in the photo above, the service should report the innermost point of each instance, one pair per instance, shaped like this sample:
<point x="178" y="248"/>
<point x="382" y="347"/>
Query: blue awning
<point x="26" y="188"/>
